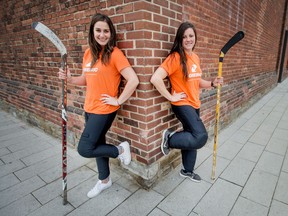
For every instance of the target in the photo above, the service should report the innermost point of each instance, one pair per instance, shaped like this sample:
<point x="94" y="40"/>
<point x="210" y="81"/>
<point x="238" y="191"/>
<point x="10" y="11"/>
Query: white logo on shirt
<point x="194" y="67"/>
<point x="194" y="70"/>
<point x="90" y="69"/>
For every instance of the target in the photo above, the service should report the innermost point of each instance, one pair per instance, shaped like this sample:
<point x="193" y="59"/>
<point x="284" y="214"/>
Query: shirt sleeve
<point x="86" y="58"/>
<point x="171" y="64"/>
<point x="119" y="59"/>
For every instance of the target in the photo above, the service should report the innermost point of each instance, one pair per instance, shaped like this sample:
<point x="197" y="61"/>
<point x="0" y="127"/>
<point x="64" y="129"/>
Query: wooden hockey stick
<point x="235" y="39"/>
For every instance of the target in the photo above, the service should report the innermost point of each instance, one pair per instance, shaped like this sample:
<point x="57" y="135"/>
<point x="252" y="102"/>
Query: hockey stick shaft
<point x="235" y="39"/>
<point x="64" y="130"/>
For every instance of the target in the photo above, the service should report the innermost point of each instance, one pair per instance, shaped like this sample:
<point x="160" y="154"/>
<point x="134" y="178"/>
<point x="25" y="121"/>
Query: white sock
<point x="120" y="148"/>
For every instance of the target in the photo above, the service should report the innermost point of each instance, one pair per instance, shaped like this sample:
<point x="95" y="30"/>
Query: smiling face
<point x="102" y="33"/>
<point x="189" y="40"/>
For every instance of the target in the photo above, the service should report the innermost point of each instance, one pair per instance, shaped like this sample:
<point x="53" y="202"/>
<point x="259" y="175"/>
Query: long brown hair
<point x="177" y="45"/>
<point x="95" y="47"/>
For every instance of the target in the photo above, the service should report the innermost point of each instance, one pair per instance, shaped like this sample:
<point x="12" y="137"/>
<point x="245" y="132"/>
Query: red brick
<point x="141" y="34"/>
<point x="138" y="15"/>
<point x="144" y="5"/>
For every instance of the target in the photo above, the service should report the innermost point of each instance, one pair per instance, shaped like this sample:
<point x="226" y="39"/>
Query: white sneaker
<point x="125" y="157"/>
<point x="98" y="188"/>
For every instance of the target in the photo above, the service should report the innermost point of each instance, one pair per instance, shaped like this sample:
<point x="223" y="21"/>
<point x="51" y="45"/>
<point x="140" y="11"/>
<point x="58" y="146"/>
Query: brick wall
<point x="146" y="30"/>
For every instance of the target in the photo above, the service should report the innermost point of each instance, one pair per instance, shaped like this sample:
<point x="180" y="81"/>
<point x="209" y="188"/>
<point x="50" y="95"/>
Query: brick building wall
<point x="145" y="29"/>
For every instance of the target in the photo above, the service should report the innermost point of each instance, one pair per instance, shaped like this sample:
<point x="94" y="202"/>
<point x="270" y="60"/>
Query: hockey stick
<point x="235" y="39"/>
<point x="45" y="31"/>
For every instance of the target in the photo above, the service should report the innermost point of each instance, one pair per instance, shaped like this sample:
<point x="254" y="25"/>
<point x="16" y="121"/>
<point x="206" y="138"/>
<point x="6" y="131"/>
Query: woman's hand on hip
<point x="107" y="99"/>
<point x="177" y="96"/>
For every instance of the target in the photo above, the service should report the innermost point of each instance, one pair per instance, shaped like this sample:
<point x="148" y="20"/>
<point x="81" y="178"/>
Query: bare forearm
<point x="76" y="80"/>
<point x="128" y="90"/>
<point x="209" y="84"/>
<point x="205" y="84"/>
<point x="160" y="86"/>
<point x="80" y="80"/>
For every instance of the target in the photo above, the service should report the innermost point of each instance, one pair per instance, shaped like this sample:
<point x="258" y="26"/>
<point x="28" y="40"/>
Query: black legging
<point x="93" y="144"/>
<point x="193" y="137"/>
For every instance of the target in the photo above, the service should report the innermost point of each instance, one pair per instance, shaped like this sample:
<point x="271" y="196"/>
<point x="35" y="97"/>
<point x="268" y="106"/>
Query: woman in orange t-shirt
<point x="103" y="65"/>
<point x="182" y="66"/>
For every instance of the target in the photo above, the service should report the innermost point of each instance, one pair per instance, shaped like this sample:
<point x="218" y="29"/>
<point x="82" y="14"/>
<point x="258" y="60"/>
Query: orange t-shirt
<point x="102" y="79"/>
<point x="191" y="86"/>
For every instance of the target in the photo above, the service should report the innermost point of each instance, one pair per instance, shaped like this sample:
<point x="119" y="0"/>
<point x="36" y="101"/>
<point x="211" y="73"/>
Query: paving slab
<point x="4" y="151"/>
<point x="277" y="145"/>
<point x="20" y="190"/>
<point x="285" y="164"/>
<point x="20" y="133"/>
<point x="53" y="190"/>
<point x="141" y="202"/>
<point x="166" y="185"/>
<point x="26" y="143"/>
<point x="16" y="140"/>
<point x="102" y="205"/>
<point x="229" y="149"/>
<point x="185" y="197"/>
<point x="219" y="200"/>
<point x="242" y="136"/>
<point x="251" y="152"/>
<point x="247" y="207"/>
<point x="281" y="193"/>
<point x="38" y="168"/>
<point x="278" y="209"/>
<point x="55" y="207"/>
<point x="157" y="212"/>
<point x="205" y="169"/>
<point x="8" y="181"/>
<point x="27" y="152"/>
<point x="238" y="171"/>
<point x="260" y="187"/>
<point x="22" y="206"/>
<point x="250" y="126"/>
<point x="14" y="166"/>
<point x="261" y="137"/>
<point x="55" y="172"/>
<point x="270" y="162"/>
<point x="42" y="154"/>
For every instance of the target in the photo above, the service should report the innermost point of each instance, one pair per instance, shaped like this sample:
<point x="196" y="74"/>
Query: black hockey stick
<point x="44" y="30"/>
<point x="235" y="39"/>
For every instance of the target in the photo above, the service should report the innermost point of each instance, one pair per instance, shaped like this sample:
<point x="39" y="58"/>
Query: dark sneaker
<point x="164" y="144"/>
<point x="192" y="176"/>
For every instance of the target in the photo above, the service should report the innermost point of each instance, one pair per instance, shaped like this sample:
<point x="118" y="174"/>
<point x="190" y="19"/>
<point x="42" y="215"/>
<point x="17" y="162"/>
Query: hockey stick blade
<point x="50" y="35"/>
<point x="235" y="39"/>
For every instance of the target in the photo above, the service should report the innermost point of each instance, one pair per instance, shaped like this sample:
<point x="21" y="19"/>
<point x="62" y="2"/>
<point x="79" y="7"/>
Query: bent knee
<point x="84" y="152"/>
<point x="202" y="139"/>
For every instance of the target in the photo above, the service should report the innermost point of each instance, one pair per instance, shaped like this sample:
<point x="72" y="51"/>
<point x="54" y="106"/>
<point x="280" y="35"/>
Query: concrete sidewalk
<point x="252" y="173"/>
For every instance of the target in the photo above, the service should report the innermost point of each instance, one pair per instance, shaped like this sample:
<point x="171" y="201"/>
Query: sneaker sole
<point x="162" y="143"/>
<point x="197" y="181"/>
<point x="126" y="148"/>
